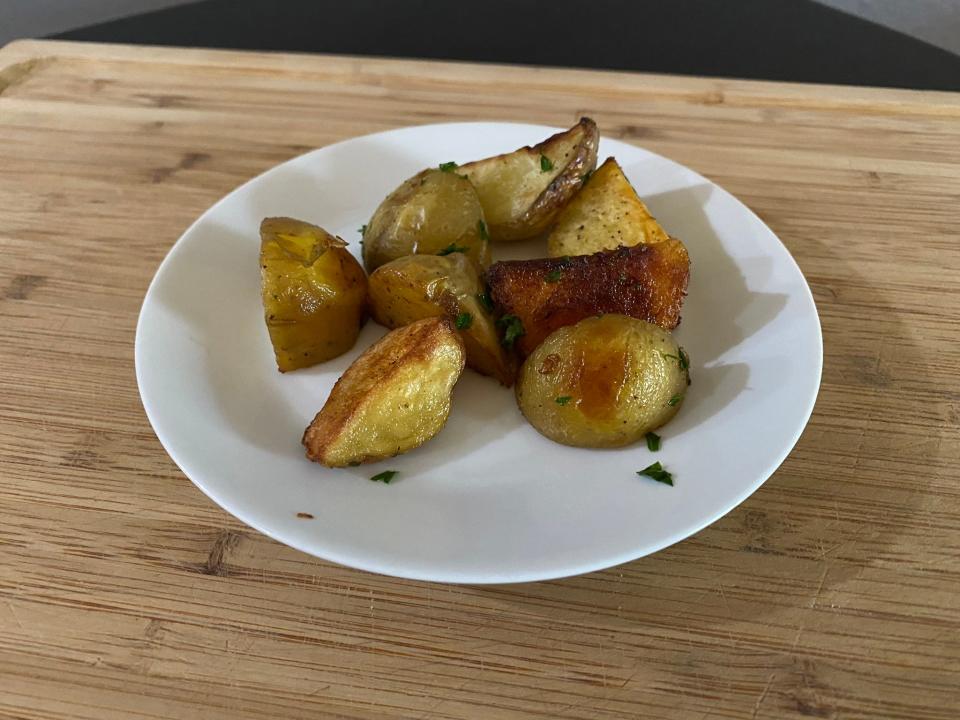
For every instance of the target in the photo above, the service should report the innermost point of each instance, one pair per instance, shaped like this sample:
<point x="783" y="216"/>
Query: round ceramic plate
<point x="488" y="500"/>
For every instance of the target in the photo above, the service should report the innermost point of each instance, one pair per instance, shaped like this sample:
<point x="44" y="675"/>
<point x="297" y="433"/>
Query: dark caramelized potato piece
<point x="648" y="282"/>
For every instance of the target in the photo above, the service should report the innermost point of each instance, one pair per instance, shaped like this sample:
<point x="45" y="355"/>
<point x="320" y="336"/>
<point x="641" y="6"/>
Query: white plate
<point x="488" y="500"/>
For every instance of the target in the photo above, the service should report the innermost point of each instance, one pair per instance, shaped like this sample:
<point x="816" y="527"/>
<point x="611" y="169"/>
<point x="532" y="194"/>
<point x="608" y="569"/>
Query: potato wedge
<point x="522" y="192"/>
<point x="314" y="292"/>
<point x="604" y="382"/>
<point x="433" y="212"/>
<point x="393" y="398"/>
<point x="419" y="286"/>
<point x="604" y="215"/>
<point x="648" y="282"/>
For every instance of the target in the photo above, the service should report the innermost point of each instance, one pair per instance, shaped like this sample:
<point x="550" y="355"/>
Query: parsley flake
<point x="554" y="275"/>
<point x="674" y="400"/>
<point x="464" y="321"/>
<point x="485" y="300"/>
<point x="653" y="442"/>
<point x="512" y="329"/>
<point x="657" y="472"/>
<point x="563" y="400"/>
<point x="545" y="164"/>
<point x="448" y="166"/>
<point x="482" y="229"/>
<point x="362" y="230"/>
<point x="453" y="248"/>
<point x="683" y="360"/>
<point x="385" y="477"/>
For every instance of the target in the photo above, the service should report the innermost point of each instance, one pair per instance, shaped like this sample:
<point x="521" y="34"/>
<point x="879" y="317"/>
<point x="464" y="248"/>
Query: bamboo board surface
<point x="832" y="592"/>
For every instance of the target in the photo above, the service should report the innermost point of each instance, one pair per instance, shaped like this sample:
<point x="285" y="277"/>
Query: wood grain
<point x="833" y="592"/>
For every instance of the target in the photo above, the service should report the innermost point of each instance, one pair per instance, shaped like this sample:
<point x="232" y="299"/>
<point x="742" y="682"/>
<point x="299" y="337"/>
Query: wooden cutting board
<point x="833" y="592"/>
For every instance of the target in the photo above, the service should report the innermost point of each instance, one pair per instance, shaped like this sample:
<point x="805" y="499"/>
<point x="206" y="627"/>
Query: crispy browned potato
<point x="314" y="292"/>
<point x="433" y="212"/>
<point x="522" y="192"/>
<point x="393" y="398"/>
<point x="604" y="382"/>
<point x="605" y="214"/>
<point x="419" y="286"/>
<point x="648" y="282"/>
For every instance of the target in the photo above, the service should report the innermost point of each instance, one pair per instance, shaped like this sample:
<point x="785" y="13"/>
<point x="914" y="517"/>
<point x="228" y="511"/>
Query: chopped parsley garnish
<point x="565" y="260"/>
<point x="653" y="442"/>
<point x="482" y="228"/>
<point x="452" y="248"/>
<point x="585" y="177"/>
<point x="385" y="477"/>
<point x="563" y="400"/>
<point x="683" y="360"/>
<point x="464" y="321"/>
<point x="362" y="230"/>
<point x="485" y="300"/>
<point x="545" y="164"/>
<point x="554" y="275"/>
<point x="674" y="400"/>
<point x="657" y="472"/>
<point x="512" y="329"/>
<point x="448" y="166"/>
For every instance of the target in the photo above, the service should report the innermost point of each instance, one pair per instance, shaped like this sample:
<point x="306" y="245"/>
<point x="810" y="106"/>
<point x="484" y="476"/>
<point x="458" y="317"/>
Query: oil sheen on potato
<point x="314" y="293"/>
<point x="603" y="382"/>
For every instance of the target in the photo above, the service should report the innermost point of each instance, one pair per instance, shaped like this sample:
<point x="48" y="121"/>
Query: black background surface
<point x="794" y="40"/>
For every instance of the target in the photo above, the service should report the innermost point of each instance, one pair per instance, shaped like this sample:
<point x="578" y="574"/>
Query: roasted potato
<point x="604" y="382"/>
<point x="419" y="286"/>
<point x="522" y="192"/>
<point x="604" y="215"/>
<point x="432" y="213"/>
<point x="314" y="292"/>
<point x="648" y="282"/>
<point x="393" y="398"/>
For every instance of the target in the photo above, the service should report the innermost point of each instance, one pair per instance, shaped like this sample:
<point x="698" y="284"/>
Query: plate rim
<point x="361" y="563"/>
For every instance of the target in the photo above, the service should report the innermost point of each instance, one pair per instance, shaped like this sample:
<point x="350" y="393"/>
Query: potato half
<point x="419" y="286"/>
<point x="523" y="191"/>
<point x="604" y="382"/>
<point x="605" y="214"/>
<point x="648" y="282"/>
<point x="433" y="212"/>
<point x="314" y="292"/>
<point x="393" y="398"/>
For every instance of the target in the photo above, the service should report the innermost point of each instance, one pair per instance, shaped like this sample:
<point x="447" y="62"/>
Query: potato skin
<point x="605" y="214"/>
<point x="313" y="291"/>
<point x="393" y="398"/>
<point x="419" y="286"/>
<point x="648" y="282"/>
<point x="520" y="198"/>
<point x="427" y="214"/>
<point x="615" y="376"/>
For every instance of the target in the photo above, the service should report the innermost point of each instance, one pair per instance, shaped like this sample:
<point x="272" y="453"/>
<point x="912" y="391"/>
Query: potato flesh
<point x="605" y="214"/>
<point x="431" y="212"/>
<point x="393" y="398"/>
<point x="648" y="282"/>
<point x="615" y="377"/>
<point x="520" y="198"/>
<point x="419" y="286"/>
<point x="313" y="291"/>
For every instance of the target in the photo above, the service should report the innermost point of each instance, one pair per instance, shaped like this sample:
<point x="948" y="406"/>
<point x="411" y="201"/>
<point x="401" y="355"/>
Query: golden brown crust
<point x="648" y="282"/>
<point x="370" y="374"/>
